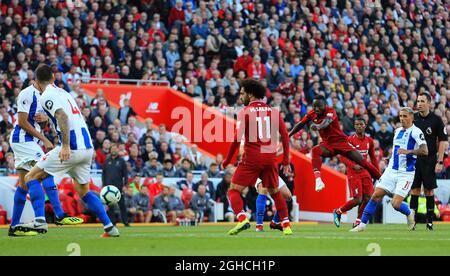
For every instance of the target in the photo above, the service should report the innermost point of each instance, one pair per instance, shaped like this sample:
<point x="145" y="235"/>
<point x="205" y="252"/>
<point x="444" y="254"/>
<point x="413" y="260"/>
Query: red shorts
<point x="338" y="147"/>
<point x="360" y="186"/>
<point x="246" y="174"/>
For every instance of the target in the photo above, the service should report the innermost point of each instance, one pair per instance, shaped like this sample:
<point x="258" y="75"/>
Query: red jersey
<point x="333" y="132"/>
<point x="258" y="126"/>
<point x="366" y="148"/>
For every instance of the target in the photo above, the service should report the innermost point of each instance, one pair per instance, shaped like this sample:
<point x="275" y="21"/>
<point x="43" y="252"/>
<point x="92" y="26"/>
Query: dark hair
<point x="320" y="98"/>
<point x="254" y="88"/>
<point x="167" y="161"/>
<point x="427" y="95"/>
<point x="359" y="118"/>
<point x="44" y="73"/>
<point x="184" y="160"/>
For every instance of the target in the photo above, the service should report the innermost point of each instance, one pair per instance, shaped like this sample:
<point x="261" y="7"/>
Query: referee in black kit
<point x="427" y="167"/>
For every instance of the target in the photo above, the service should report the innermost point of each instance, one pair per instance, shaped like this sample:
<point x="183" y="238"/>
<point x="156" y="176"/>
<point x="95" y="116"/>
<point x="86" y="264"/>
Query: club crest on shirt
<point x="445" y="131"/>
<point x="49" y="104"/>
<point x="429" y="131"/>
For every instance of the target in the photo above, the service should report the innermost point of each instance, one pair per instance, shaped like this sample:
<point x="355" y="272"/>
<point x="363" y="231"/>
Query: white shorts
<point x="281" y="182"/>
<point x="395" y="182"/>
<point x="78" y="166"/>
<point x="25" y="154"/>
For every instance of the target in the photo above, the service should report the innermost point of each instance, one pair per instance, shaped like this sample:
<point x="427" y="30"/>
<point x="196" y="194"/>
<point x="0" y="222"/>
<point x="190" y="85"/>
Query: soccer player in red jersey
<point x="335" y="142"/>
<point x="259" y="124"/>
<point x="359" y="179"/>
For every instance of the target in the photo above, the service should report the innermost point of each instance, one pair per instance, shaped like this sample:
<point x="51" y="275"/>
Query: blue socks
<point x="37" y="197"/>
<point x="95" y="205"/>
<point x="370" y="209"/>
<point x="404" y="209"/>
<point x="276" y="218"/>
<point x="20" y="197"/>
<point x="260" y="208"/>
<point x="52" y="193"/>
<point x="372" y="206"/>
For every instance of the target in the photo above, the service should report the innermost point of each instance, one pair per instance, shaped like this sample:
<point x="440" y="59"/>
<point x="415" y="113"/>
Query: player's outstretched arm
<point x="63" y="123"/>
<point x="238" y="134"/>
<point x="285" y="141"/>
<point x="372" y="155"/>
<point x="296" y="128"/>
<point x="300" y="124"/>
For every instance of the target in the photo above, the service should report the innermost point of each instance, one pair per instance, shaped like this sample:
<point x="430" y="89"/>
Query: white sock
<point x="107" y="226"/>
<point x="39" y="218"/>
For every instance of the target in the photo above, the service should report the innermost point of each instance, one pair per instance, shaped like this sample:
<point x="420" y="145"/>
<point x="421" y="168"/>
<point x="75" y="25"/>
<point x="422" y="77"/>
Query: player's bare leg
<point x="95" y="205"/>
<point x="337" y="213"/>
<point x="234" y="195"/>
<point x="356" y="157"/>
<point x="317" y="153"/>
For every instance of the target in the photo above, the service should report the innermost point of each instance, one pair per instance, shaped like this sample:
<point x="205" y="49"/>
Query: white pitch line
<point x="295" y="236"/>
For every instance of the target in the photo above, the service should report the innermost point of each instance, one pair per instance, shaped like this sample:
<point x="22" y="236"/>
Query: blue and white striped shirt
<point x="409" y="139"/>
<point x="27" y="102"/>
<point x="55" y="98"/>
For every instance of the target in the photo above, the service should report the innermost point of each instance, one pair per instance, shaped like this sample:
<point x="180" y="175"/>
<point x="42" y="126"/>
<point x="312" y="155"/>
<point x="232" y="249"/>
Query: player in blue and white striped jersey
<point x="409" y="142"/>
<point x="24" y="141"/>
<point x="74" y="154"/>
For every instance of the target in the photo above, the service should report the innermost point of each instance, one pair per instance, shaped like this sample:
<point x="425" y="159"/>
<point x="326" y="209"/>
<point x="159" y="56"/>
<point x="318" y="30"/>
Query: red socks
<point x="281" y="206"/>
<point x="317" y="174"/>
<point x="236" y="203"/>
<point x="347" y="206"/>
<point x="317" y="158"/>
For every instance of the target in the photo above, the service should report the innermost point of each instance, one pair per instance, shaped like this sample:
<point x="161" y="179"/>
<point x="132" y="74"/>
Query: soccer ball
<point x="110" y="195"/>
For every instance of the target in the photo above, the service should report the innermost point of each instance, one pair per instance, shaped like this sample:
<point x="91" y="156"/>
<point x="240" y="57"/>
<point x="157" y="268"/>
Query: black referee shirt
<point x="434" y="130"/>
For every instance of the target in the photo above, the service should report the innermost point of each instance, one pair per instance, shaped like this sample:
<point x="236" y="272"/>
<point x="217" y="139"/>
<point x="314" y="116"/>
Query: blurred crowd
<point x="369" y="58"/>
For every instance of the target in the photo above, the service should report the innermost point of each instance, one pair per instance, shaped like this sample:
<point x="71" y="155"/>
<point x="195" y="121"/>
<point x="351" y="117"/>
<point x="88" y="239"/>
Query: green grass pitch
<point x="211" y="240"/>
